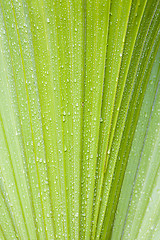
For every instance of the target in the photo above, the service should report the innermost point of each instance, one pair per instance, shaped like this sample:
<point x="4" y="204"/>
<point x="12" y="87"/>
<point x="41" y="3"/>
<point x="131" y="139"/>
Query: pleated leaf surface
<point x="79" y="119"/>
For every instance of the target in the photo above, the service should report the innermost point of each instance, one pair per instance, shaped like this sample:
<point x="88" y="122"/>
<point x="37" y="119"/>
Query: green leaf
<point x="139" y="194"/>
<point x="79" y="119"/>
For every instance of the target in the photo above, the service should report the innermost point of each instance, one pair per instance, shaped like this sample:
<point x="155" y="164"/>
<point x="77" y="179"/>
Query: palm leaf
<point x="79" y="119"/>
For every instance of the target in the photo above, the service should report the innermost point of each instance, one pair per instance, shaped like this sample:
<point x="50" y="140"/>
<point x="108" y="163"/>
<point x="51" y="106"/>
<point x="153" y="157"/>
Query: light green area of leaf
<point x="97" y="14"/>
<point x="79" y="119"/>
